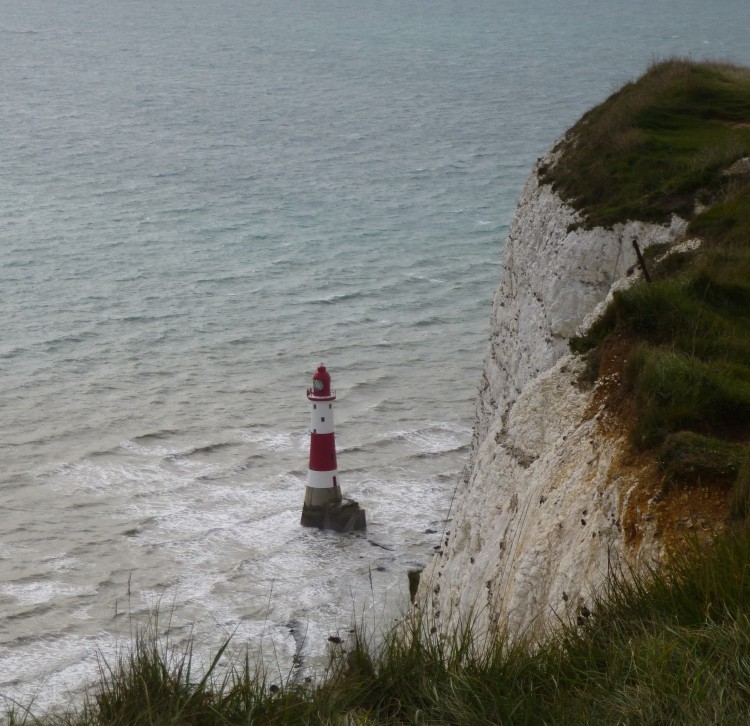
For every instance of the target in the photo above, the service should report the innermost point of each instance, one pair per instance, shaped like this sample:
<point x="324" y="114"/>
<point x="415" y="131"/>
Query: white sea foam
<point x="437" y="438"/>
<point x="53" y="671"/>
<point x="41" y="592"/>
<point x="61" y="562"/>
<point x="148" y="451"/>
<point x="141" y="477"/>
<point x="277" y="440"/>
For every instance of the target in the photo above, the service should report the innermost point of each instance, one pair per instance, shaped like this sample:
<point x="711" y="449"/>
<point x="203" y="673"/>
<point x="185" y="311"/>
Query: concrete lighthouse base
<point x="344" y="515"/>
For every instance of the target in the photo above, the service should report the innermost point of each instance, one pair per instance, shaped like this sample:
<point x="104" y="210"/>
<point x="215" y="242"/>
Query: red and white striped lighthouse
<point x="324" y="506"/>
<point x="322" y="474"/>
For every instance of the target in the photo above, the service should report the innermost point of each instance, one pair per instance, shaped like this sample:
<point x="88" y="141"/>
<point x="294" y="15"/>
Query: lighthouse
<point x="324" y="506"/>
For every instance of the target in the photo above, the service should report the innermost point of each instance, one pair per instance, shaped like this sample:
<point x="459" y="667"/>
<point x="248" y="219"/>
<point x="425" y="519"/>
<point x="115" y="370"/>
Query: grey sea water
<point x="199" y="203"/>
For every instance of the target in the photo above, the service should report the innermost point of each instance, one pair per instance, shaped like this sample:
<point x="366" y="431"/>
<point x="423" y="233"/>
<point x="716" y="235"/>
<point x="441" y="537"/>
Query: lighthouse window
<point x="322" y="418"/>
<point x="315" y="405"/>
<point x="330" y="405"/>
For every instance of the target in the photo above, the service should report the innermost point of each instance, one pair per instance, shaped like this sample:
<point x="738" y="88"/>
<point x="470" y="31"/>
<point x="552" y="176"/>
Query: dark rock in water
<point x="414" y="576"/>
<point x="382" y="546"/>
<point x="343" y="516"/>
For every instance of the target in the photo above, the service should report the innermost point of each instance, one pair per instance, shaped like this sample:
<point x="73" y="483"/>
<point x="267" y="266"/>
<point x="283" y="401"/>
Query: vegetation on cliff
<point x="667" y="646"/>
<point x="657" y="146"/>
<point x="677" y="141"/>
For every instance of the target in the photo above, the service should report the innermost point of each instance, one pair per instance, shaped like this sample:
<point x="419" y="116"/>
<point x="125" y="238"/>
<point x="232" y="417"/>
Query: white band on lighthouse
<point x="322" y="479"/>
<point x="321" y="418"/>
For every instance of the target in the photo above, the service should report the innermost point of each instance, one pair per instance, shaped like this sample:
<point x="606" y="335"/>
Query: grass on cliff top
<point x="660" y="146"/>
<point x="668" y="647"/>
<point x="657" y="145"/>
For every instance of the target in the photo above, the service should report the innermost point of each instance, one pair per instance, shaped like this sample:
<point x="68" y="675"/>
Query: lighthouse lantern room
<point x="324" y="506"/>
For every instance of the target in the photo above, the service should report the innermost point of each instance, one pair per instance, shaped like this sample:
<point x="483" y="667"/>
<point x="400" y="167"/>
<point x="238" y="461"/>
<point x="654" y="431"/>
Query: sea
<point x="200" y="203"/>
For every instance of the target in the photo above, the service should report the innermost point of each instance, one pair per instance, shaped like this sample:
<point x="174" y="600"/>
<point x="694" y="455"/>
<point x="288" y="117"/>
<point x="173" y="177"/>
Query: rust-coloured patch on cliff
<point x="650" y="509"/>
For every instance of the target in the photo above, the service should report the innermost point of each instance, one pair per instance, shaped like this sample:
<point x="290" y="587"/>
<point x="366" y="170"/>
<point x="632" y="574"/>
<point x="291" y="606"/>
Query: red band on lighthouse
<point x="322" y="452"/>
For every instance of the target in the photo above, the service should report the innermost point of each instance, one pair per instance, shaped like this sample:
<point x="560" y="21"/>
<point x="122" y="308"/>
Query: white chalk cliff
<point x="538" y="518"/>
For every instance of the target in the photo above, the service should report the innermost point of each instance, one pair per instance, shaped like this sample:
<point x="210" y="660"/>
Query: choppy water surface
<point x="200" y="202"/>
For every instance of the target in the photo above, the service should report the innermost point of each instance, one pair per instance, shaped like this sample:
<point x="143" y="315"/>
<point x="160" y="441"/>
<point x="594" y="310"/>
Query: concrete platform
<point x="343" y="516"/>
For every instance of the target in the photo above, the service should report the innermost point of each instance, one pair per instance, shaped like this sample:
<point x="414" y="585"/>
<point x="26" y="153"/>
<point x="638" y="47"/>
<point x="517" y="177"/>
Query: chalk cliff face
<point x="547" y="504"/>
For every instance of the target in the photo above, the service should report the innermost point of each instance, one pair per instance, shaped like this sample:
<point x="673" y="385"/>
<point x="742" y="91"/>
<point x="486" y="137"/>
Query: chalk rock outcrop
<point x="537" y="519"/>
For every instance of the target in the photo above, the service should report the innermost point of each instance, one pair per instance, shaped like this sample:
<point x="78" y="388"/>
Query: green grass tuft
<point x="677" y="391"/>
<point x="726" y="223"/>
<point x="687" y="457"/>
